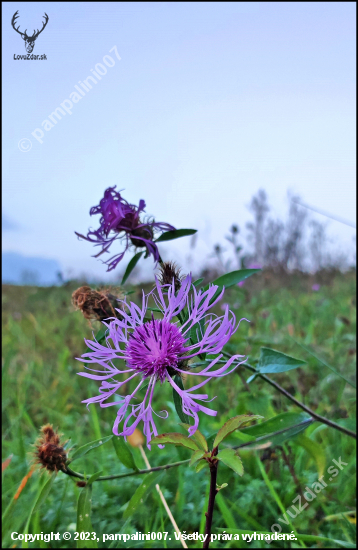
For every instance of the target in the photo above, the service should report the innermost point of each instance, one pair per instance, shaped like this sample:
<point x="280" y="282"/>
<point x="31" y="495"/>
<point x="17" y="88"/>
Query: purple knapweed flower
<point x="316" y="287"/>
<point x="121" y="220"/>
<point x="155" y="350"/>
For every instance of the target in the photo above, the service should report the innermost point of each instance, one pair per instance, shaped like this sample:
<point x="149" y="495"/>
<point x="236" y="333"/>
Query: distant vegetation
<point x="298" y="243"/>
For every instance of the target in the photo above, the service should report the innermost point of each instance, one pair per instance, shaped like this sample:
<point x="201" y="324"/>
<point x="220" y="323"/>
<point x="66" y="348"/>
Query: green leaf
<point x="231" y="458"/>
<point x="175" y="439"/>
<point x="141" y="493"/>
<point x="124" y="453"/>
<point x="178" y="402"/>
<point x="196" y="456"/>
<point x="45" y="491"/>
<point x="271" y="488"/>
<point x="316" y="451"/>
<point x="200" y="466"/>
<point x="196" y="331"/>
<point x="94" y="477"/>
<point x="285" y="421"/>
<point x="232" y="425"/>
<point x="84" y="524"/>
<point x="175" y="234"/>
<point x="81" y="451"/>
<point x="101" y="334"/>
<point x="234" y="277"/>
<point x="198" y="281"/>
<point x="40" y="499"/>
<point x="230" y="279"/>
<point x="225" y="511"/>
<point x="131" y="266"/>
<point x="272" y="361"/>
<point x="198" y="437"/>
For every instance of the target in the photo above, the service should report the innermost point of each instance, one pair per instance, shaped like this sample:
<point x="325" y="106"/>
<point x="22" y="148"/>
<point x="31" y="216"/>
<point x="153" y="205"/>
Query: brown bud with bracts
<point x="50" y="452"/>
<point x="168" y="272"/>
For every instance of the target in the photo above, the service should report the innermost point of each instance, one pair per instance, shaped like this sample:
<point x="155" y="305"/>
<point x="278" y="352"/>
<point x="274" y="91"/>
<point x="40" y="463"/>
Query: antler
<point x="13" y="21"/>
<point x="34" y="36"/>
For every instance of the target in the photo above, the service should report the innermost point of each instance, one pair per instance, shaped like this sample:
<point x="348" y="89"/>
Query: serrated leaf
<point x="81" y="451"/>
<point x="314" y="450"/>
<point x="94" y="477"/>
<point x="84" y="524"/>
<point x="131" y="266"/>
<point x="198" y="437"/>
<point x="178" y="402"/>
<point x="175" y="439"/>
<point x="124" y="453"/>
<point x="175" y="234"/>
<point x="232" y="425"/>
<point x="200" y="466"/>
<point x="231" y="458"/>
<point x="196" y="456"/>
<point x="272" y="361"/>
<point x="141" y="493"/>
<point x="45" y="491"/>
<point x="292" y="422"/>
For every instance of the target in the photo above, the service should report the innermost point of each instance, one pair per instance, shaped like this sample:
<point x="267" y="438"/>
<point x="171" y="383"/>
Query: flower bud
<point x="50" y="453"/>
<point x="168" y="272"/>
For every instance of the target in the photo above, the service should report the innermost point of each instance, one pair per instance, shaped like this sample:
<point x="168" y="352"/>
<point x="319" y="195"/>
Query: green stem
<point x="70" y="472"/>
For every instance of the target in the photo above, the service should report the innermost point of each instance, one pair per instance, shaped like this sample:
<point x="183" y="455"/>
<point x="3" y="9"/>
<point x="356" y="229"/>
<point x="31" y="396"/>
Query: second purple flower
<point x="122" y="220"/>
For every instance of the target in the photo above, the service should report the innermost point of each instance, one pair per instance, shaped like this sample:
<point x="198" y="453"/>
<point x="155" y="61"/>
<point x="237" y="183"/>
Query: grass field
<point x="42" y="336"/>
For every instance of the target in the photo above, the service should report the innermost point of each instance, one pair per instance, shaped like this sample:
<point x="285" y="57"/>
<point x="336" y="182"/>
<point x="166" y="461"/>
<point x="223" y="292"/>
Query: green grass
<point x="43" y="335"/>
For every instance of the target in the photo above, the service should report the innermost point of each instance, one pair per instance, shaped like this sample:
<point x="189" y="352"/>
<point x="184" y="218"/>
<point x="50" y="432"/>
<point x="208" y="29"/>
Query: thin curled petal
<point x="156" y="349"/>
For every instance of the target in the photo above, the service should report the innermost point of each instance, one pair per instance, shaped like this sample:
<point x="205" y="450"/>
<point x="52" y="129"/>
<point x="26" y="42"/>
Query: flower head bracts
<point x="122" y="220"/>
<point x="156" y="350"/>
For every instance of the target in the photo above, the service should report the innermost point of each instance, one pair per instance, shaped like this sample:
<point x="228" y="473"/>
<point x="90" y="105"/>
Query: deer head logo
<point x="29" y="40"/>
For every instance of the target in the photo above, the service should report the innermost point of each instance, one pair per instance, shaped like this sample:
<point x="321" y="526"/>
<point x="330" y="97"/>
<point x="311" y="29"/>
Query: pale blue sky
<point x="208" y="103"/>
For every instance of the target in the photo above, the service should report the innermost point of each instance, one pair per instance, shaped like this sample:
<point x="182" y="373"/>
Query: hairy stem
<point x="70" y="472"/>
<point x="212" y="495"/>
<point x="314" y="415"/>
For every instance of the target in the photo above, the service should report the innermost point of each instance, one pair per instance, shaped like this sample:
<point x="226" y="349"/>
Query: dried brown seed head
<point x="97" y="304"/>
<point x="50" y="452"/>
